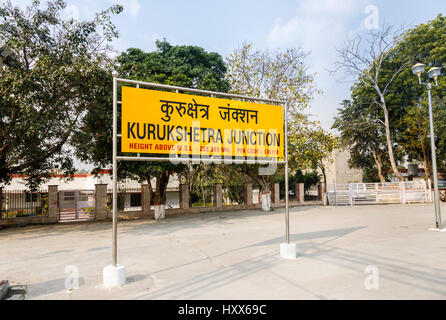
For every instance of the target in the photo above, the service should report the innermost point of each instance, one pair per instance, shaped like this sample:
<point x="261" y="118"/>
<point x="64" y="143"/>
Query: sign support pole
<point x="287" y="211"/>
<point x="115" y="172"/>
<point x="114" y="274"/>
<point x="287" y="249"/>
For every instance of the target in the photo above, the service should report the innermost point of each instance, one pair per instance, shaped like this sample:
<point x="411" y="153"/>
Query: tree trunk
<point x="265" y="196"/>
<point x="425" y="160"/>
<point x="325" y="178"/>
<point x="203" y="195"/>
<point x="379" y="166"/>
<point x="265" y="185"/>
<point x="162" y="180"/>
<point x="389" y="142"/>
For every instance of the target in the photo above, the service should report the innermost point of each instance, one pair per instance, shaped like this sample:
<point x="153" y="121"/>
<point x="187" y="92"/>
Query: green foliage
<point x="360" y="120"/>
<point x="234" y="183"/>
<point x="277" y="75"/>
<point x="310" y="146"/>
<point x="54" y="75"/>
<point x="363" y="134"/>
<point x="186" y="66"/>
<point x="308" y="178"/>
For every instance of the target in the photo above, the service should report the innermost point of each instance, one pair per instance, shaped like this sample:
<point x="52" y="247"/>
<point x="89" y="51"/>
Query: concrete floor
<point x="235" y="255"/>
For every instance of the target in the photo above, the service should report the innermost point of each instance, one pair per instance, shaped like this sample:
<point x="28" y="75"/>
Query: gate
<point x="76" y="205"/>
<point x="379" y="193"/>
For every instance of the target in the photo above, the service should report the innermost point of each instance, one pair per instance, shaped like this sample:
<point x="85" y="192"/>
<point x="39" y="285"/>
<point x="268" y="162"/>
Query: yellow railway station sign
<point x="162" y="122"/>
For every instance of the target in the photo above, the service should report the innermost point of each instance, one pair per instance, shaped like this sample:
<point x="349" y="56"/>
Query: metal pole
<point x="434" y="160"/>
<point x="115" y="170"/>
<point x="287" y="211"/>
<point x="215" y="93"/>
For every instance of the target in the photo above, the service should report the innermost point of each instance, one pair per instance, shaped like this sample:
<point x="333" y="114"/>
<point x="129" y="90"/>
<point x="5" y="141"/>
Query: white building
<point x="338" y="171"/>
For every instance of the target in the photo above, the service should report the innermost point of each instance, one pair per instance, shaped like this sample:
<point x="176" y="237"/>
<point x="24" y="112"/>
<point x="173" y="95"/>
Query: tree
<point x="406" y="102"/>
<point x="311" y="147"/>
<point x="415" y="138"/>
<point x="187" y="66"/>
<point x="55" y="74"/>
<point x="274" y="75"/>
<point x="373" y="67"/>
<point x="362" y="133"/>
<point x="423" y="43"/>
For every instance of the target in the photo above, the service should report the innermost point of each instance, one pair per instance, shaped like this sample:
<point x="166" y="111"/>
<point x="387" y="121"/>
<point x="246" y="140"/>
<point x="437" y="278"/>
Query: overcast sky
<point x="319" y="26"/>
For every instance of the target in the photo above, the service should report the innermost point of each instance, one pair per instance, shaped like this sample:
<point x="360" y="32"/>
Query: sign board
<point x="162" y="122"/>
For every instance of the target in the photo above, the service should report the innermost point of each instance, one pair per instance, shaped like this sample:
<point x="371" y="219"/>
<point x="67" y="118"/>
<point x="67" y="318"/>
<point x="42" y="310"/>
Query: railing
<point x="129" y="199"/>
<point x="379" y="193"/>
<point x="312" y="193"/>
<point x="19" y="203"/>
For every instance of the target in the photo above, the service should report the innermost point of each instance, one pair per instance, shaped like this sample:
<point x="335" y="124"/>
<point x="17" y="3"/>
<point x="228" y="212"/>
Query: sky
<point x="318" y="26"/>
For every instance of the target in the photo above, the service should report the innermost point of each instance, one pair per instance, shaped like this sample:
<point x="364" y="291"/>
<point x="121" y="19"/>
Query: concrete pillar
<point x="145" y="198"/>
<point x="320" y="191"/>
<point x="52" y="203"/>
<point x="1" y="203"/>
<point x="218" y="195"/>
<point x="300" y="192"/>
<point x="184" y="196"/>
<point x="100" y="200"/>
<point x="276" y="194"/>
<point x="248" y="194"/>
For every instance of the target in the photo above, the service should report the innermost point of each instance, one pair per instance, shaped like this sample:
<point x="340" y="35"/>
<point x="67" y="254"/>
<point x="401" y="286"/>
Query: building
<point x="81" y="186"/>
<point x="338" y="170"/>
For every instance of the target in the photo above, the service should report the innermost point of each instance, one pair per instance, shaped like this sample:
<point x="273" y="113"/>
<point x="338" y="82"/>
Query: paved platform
<point x="235" y="255"/>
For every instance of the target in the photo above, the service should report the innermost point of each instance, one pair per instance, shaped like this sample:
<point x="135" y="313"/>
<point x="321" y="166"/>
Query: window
<point x="135" y="199"/>
<point x="30" y="197"/>
<point x="68" y="196"/>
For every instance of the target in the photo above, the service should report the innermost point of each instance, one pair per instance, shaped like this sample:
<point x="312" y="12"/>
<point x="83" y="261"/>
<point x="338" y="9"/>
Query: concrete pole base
<point x="437" y="230"/>
<point x="114" y="276"/>
<point x="288" y="250"/>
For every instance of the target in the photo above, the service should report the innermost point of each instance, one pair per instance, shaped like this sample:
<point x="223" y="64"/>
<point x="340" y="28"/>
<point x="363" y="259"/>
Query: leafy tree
<point x="311" y="147"/>
<point x="274" y="75"/>
<point x="187" y="66"/>
<point x="54" y="75"/>
<point x="362" y="122"/>
<point x="423" y="43"/>
<point x="362" y="133"/>
<point x="309" y="178"/>
<point x="373" y="66"/>
<point x="415" y="139"/>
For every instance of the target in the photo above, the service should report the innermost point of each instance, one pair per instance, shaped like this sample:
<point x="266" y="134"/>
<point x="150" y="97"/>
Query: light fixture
<point x="418" y="69"/>
<point x="434" y="73"/>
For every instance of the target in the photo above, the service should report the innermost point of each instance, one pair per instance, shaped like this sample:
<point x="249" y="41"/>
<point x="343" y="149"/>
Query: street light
<point x="433" y="73"/>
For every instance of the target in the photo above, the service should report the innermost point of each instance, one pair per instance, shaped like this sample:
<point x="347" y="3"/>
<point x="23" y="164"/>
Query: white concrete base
<point x="114" y="277"/>
<point x="160" y="211"/>
<point x="265" y="199"/>
<point x="288" y="250"/>
<point x="437" y="230"/>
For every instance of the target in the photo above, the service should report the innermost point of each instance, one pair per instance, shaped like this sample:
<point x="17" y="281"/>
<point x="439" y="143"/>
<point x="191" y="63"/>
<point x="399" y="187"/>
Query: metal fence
<point x="76" y="205"/>
<point x="19" y="203"/>
<point x="312" y="193"/>
<point x="129" y="199"/>
<point x="379" y="193"/>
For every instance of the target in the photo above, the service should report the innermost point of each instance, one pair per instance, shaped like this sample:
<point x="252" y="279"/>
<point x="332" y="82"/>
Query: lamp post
<point x="433" y="73"/>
